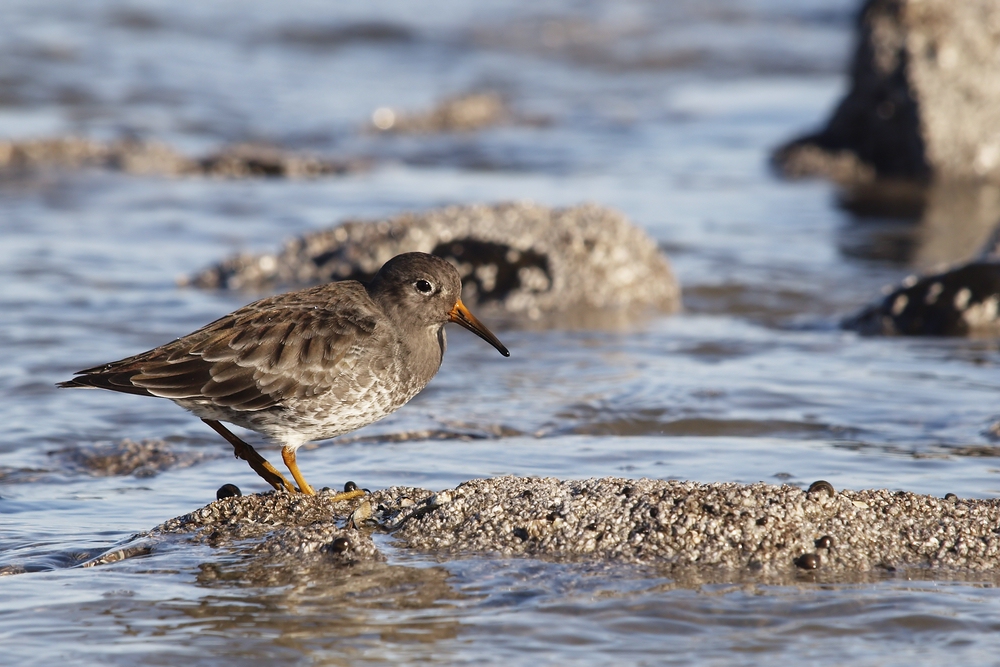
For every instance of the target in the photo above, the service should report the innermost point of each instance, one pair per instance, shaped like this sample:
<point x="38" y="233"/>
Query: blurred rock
<point x="157" y="159"/>
<point x="142" y="459"/>
<point x="76" y="153"/>
<point x="954" y="303"/>
<point x="333" y="36"/>
<point x="924" y="99"/>
<point x="255" y="160"/>
<point x="957" y="242"/>
<point x="917" y="138"/>
<point x="464" y="113"/>
<point x="522" y="257"/>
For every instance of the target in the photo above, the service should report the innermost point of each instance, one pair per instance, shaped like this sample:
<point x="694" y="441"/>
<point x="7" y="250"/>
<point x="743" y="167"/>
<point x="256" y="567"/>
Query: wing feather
<point x="288" y="346"/>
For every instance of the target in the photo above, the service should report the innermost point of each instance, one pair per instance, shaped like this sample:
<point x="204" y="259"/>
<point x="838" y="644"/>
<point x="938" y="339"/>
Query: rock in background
<point x="523" y="258"/>
<point x="462" y="113"/>
<point x="924" y="99"/>
<point x="954" y="303"/>
<point x="923" y="112"/>
<point x="956" y="244"/>
<point x="467" y="113"/>
<point x="141" y="158"/>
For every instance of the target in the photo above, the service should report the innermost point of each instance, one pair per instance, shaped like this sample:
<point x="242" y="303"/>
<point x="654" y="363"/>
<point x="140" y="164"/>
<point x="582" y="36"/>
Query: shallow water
<point x="663" y="110"/>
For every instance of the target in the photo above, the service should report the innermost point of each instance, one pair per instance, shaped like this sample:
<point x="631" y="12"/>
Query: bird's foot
<point x="351" y="491"/>
<point x="347" y="495"/>
<point x="259" y="464"/>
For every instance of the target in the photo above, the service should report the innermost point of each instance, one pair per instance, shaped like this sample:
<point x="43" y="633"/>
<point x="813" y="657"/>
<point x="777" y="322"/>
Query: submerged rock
<point x="924" y="98"/>
<point x="525" y="258"/>
<point x="127" y="457"/>
<point x="724" y="527"/>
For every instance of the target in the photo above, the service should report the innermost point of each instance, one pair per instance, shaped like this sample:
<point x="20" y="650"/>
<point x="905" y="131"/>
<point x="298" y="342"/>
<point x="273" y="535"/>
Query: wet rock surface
<point x="924" y="98"/>
<point x="742" y="529"/>
<point x="157" y="159"/>
<point x="522" y="257"/>
<point x="266" y="528"/>
<point x="755" y="527"/>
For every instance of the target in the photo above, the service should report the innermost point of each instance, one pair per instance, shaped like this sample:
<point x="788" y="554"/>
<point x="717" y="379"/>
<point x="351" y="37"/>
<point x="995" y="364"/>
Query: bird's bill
<point x="461" y="315"/>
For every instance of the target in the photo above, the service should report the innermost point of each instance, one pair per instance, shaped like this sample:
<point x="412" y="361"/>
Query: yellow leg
<point x="260" y="465"/>
<point x="288" y="456"/>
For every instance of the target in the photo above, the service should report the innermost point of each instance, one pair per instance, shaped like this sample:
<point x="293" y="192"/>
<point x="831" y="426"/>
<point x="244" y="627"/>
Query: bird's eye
<point x="423" y="287"/>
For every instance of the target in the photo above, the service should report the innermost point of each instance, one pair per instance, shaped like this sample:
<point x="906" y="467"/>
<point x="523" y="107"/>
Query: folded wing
<point x="289" y="346"/>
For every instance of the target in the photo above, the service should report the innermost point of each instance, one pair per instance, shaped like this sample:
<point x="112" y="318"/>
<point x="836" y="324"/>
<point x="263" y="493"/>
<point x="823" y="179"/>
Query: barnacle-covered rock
<point x="523" y="257"/>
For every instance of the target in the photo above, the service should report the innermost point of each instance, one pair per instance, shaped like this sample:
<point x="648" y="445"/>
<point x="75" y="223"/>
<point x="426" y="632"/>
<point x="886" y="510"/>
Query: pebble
<point x="228" y="491"/>
<point x="822" y="485"/>
<point x="808" y="561"/>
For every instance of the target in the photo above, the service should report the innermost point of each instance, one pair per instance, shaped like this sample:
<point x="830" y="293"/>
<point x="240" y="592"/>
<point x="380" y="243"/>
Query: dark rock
<point x="957" y="239"/>
<point x="340" y="545"/>
<point x="924" y="99"/>
<point x="822" y="486"/>
<point x="953" y="303"/>
<point x="228" y="491"/>
<point x="523" y="258"/>
<point x="255" y="160"/>
<point x="330" y="37"/>
<point x="808" y="561"/>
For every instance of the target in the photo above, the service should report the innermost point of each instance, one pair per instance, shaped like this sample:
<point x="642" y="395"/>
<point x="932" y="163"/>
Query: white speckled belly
<point x="378" y="385"/>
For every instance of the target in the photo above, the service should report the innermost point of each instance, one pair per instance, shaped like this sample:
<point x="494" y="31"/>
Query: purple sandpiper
<point x="306" y="365"/>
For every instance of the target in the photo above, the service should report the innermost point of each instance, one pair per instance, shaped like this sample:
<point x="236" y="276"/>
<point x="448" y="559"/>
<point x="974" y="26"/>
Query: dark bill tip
<point x="461" y="315"/>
